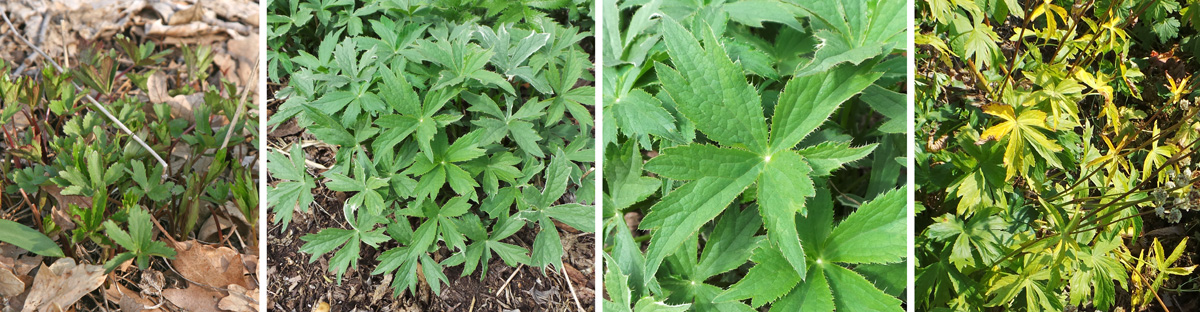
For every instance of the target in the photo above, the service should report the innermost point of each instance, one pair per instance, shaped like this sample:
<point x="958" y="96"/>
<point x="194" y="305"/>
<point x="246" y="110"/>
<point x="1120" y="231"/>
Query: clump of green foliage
<point x="454" y="122"/>
<point x="1055" y="135"/>
<point x="759" y="116"/>
<point x="62" y="149"/>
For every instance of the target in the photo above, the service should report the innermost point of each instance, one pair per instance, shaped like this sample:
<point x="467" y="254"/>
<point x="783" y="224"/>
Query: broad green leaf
<point x="782" y="188"/>
<point x="691" y="162"/>
<point x="29" y="239"/>
<point x="869" y="234"/>
<point x="625" y="184"/>
<point x="731" y="243"/>
<point x="852" y="292"/>
<point x="711" y="91"/>
<point x="808" y="101"/>
<point x="577" y="216"/>
<point x="771" y="278"/>
<point x="854" y="30"/>
<point x="682" y="212"/>
<point x="1022" y="132"/>
<point x="814" y="294"/>
<point x="754" y="12"/>
<point x="638" y="113"/>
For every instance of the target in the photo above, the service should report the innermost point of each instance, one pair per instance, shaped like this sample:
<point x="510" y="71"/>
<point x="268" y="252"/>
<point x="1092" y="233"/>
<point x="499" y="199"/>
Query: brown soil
<point x="294" y="284"/>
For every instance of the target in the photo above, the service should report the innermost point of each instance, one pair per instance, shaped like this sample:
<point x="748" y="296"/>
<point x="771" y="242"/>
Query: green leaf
<point x="547" y="246"/>
<point x="808" y="101"/>
<point x="782" y="188"/>
<point x="869" y="234"/>
<point x="29" y="239"/>
<point x="294" y="191"/>
<point x="754" y="12"/>
<point x="731" y="243"/>
<point x="625" y="184"/>
<point x="638" y="113"/>
<point x="771" y="278"/>
<point x="139" y="240"/>
<point x="854" y="30"/>
<point x="814" y="294"/>
<point x="711" y="91"/>
<point x="855" y="293"/>
<point x="617" y="286"/>
<point x="578" y="216"/>
<point x="826" y="157"/>
<point x="691" y="162"/>
<point x="890" y="104"/>
<point x="682" y="212"/>
<point x="648" y="304"/>
<point x="976" y="242"/>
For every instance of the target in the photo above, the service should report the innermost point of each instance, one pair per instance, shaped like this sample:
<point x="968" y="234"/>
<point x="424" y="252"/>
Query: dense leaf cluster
<point x="1046" y="127"/>
<point x="70" y="140"/>
<point x="455" y="125"/>
<point x="754" y="126"/>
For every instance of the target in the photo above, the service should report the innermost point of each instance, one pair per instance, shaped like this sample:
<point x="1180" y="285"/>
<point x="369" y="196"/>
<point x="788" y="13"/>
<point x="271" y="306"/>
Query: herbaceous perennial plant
<point x="748" y="113"/>
<point x="450" y="133"/>
<point x="1056" y="154"/>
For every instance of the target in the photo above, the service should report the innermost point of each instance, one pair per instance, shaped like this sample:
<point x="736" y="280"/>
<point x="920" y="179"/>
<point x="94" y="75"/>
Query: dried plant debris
<point x="229" y="27"/>
<point x="128" y="158"/>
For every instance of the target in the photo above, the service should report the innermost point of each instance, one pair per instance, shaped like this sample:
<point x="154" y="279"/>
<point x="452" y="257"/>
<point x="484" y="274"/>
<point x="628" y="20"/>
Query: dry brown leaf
<point x="62" y="218"/>
<point x="10" y="285"/>
<point x="190" y="33"/>
<point x="243" y="11"/>
<point x="157" y="88"/>
<point x="128" y="300"/>
<point x="19" y="260"/>
<point x="211" y="266"/>
<point x="321" y="307"/>
<point x="194" y="298"/>
<point x="188" y="15"/>
<point x="67" y="200"/>
<point x="129" y="304"/>
<point x="62" y="284"/>
<point x="237" y="300"/>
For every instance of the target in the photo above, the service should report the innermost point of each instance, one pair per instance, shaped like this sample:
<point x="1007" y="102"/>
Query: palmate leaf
<point x="1098" y="270"/>
<point x="294" y="191"/>
<point x="983" y="182"/>
<point x="479" y="253"/>
<point x="1030" y="280"/>
<point x="829" y="285"/>
<point x="139" y="241"/>
<point x="974" y="243"/>
<point x="854" y="31"/>
<point x="517" y="126"/>
<point x="1023" y="131"/>
<point x="730" y="244"/>
<point x="403" y="260"/>
<point x="710" y="91"/>
<point x="362" y="231"/>
<point x="365" y="187"/>
<point x="547" y="245"/>
<point x="1157" y="155"/>
<point x="705" y="80"/>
